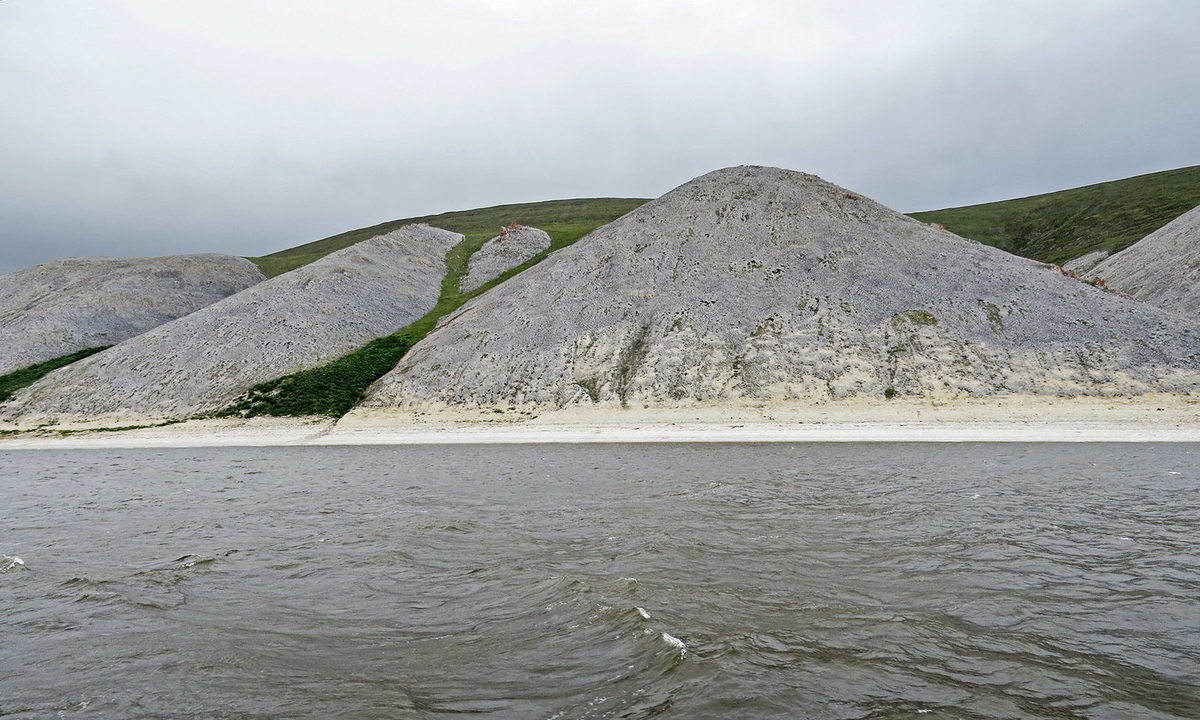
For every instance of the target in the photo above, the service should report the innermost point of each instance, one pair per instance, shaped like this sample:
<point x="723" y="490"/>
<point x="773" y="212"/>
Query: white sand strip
<point x="1161" y="418"/>
<point x="833" y="432"/>
<point x="258" y="432"/>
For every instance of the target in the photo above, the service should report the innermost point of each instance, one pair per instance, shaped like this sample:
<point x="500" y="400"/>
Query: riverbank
<point x="1157" y="418"/>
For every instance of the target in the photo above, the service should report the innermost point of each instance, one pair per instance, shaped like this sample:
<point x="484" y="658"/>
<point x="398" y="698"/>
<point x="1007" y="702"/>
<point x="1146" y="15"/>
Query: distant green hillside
<point x="564" y="220"/>
<point x="1059" y="226"/>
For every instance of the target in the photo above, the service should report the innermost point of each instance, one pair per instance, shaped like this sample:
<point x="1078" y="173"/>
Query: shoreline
<point x="1157" y="418"/>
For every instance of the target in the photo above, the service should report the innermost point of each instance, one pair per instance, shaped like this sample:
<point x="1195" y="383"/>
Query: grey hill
<point x="1163" y="268"/>
<point x="1085" y="265"/>
<point x="755" y="282"/>
<point x="60" y="307"/>
<point x="295" y="321"/>
<point x="513" y="246"/>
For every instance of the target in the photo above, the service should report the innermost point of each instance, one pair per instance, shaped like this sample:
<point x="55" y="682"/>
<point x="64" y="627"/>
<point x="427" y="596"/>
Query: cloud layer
<point x="135" y="127"/>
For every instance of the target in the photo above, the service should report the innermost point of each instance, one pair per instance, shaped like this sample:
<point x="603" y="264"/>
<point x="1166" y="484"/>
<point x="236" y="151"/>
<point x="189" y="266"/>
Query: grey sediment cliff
<point x="292" y="322"/>
<point x="1163" y="268"/>
<point x="503" y="252"/>
<point x="755" y="282"/>
<point x="63" y="306"/>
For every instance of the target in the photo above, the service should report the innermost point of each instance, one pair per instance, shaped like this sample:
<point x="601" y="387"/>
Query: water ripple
<point x="661" y="581"/>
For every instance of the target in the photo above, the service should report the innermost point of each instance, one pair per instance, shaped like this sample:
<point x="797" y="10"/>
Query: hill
<point x="300" y="320"/>
<point x="1059" y="226"/>
<point x="757" y="282"/>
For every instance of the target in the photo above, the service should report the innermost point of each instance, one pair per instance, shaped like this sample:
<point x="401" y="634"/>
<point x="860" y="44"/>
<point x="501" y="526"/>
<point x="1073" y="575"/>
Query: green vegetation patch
<point x="632" y="357"/>
<point x="916" y="317"/>
<point x="579" y="217"/>
<point x="26" y="376"/>
<point x="121" y="428"/>
<point x="331" y="389"/>
<point x="1059" y="226"/>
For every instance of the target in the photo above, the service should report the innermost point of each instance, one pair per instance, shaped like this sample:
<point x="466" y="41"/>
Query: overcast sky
<point x="144" y="127"/>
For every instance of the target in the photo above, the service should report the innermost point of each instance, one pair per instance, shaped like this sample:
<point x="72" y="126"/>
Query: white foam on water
<point x="675" y="642"/>
<point x="643" y="613"/>
<point x="8" y="562"/>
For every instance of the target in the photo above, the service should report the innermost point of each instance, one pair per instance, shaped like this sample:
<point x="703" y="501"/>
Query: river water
<point x="602" y="581"/>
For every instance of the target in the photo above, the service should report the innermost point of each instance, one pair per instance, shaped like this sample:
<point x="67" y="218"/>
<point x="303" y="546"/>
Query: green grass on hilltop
<point x="335" y="388"/>
<point x="1059" y="226"/>
<point x="578" y="217"/>
<point x="26" y="376"/>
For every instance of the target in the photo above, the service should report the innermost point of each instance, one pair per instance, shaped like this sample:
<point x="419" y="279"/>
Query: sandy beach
<point x="1153" y="418"/>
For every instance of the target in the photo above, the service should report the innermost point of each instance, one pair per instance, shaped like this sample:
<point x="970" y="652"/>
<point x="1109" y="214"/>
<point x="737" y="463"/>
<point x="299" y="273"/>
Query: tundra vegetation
<point x="1060" y="226"/>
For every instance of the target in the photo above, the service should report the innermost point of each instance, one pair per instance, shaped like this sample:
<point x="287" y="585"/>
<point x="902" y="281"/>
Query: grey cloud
<point x="139" y="130"/>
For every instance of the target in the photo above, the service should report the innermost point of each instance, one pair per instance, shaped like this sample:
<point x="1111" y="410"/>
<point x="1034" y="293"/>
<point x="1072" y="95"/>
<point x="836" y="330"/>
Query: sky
<point x="143" y="127"/>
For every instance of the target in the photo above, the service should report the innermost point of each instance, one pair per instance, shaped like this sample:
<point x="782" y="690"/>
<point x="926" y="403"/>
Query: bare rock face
<point x="60" y="307"/>
<point x="292" y="322"/>
<point x="503" y="252"/>
<point x="1163" y="268"/>
<point x="1085" y="264"/>
<point x="754" y="282"/>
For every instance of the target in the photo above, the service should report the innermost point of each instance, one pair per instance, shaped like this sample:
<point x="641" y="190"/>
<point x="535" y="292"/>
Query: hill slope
<point x="64" y="306"/>
<point x="764" y="283"/>
<point x="1059" y="226"/>
<point x="1163" y="268"/>
<point x="200" y="362"/>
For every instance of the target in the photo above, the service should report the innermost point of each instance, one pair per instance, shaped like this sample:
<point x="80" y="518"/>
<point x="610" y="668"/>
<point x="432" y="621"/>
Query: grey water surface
<point x="602" y="581"/>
